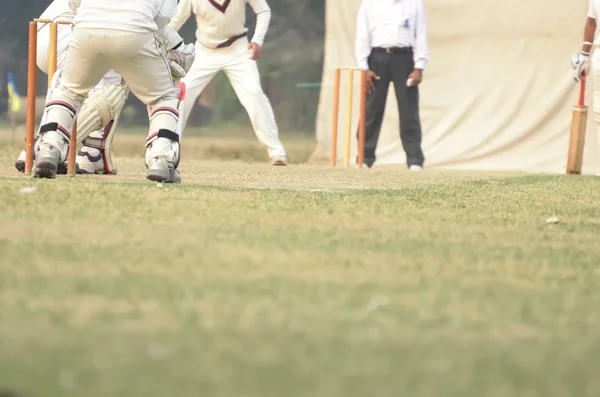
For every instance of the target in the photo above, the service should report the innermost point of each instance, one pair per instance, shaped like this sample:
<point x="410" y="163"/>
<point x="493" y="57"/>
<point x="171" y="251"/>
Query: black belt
<point x="232" y="40"/>
<point x="392" y="50"/>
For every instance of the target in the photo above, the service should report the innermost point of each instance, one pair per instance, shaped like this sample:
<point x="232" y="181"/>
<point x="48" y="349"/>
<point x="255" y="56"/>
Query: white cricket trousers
<point x="65" y="34"/>
<point x="64" y="38"/>
<point x="135" y="56"/>
<point x="595" y="68"/>
<point x="243" y="74"/>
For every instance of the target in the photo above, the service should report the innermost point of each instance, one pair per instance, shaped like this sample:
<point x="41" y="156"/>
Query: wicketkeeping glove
<point x="581" y="65"/>
<point x="181" y="60"/>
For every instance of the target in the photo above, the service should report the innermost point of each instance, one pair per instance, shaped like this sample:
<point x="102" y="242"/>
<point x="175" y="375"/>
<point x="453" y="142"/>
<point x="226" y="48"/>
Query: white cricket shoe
<point x="47" y="161"/>
<point x="90" y="161"/>
<point x="162" y="158"/>
<point x="279" y="161"/>
<point x="416" y="168"/>
<point x="176" y="176"/>
<point x="20" y="164"/>
<point x="162" y="170"/>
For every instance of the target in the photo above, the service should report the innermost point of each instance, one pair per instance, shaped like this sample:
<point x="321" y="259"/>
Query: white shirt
<point x="392" y="23"/>
<point x="136" y="16"/>
<point x="593" y="13"/>
<point x="58" y="10"/>
<point x="219" y="20"/>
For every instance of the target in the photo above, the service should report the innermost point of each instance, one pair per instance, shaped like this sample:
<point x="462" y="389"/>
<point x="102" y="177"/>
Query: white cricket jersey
<point x="593" y="13"/>
<point x="135" y="16"/>
<point x="220" y="20"/>
<point x="392" y="23"/>
<point x="58" y="9"/>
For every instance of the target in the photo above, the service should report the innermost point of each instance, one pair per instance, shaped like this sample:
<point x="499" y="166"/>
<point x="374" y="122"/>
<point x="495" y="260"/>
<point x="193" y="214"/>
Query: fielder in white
<point x="581" y="62"/>
<point x="222" y="44"/>
<point x="100" y="113"/>
<point x="131" y="37"/>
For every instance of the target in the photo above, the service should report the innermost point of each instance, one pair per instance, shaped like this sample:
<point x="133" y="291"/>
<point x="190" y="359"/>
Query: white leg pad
<point x="100" y="108"/>
<point x="53" y="85"/>
<point x="61" y="112"/>
<point x="100" y="116"/>
<point x="163" y="140"/>
<point x="181" y="107"/>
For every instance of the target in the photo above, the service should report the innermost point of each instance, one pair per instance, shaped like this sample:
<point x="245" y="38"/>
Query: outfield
<point x="259" y="281"/>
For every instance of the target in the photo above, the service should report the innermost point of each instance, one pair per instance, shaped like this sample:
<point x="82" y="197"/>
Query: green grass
<point x="223" y="142"/>
<point x="250" y="280"/>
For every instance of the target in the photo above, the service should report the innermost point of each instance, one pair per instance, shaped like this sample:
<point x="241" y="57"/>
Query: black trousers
<point x="394" y="68"/>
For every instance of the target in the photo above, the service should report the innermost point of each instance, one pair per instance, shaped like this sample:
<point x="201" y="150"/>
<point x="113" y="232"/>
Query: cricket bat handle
<point x="581" y="102"/>
<point x="578" y="129"/>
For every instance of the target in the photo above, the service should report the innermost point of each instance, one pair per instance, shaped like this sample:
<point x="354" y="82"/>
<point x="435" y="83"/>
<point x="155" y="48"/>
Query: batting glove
<point x="181" y="60"/>
<point x="581" y="65"/>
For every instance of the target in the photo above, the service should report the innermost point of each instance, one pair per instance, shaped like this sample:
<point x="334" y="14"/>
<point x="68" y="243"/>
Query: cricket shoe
<point x="20" y="164"/>
<point x="163" y="171"/>
<point x="162" y="158"/>
<point x="91" y="161"/>
<point x="279" y="161"/>
<point x="47" y="161"/>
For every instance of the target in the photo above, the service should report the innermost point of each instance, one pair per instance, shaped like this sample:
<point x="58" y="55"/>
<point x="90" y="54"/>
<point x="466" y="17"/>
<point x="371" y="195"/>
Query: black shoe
<point x="20" y="166"/>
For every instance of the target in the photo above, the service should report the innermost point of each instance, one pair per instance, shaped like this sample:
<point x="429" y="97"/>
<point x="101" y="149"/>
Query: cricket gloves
<point x="581" y="65"/>
<point x="179" y="55"/>
<point x="181" y="60"/>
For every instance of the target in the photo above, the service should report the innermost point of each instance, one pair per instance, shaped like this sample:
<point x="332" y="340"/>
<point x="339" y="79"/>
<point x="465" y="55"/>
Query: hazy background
<point x="292" y="57"/>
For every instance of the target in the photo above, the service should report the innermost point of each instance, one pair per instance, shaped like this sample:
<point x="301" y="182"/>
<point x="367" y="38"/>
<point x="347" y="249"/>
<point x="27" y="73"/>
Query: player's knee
<point x="163" y="137"/>
<point x="164" y="115"/>
<point x="169" y="96"/>
<point x="252" y="95"/>
<point x="255" y="91"/>
<point x="62" y="93"/>
<point x="61" y="115"/>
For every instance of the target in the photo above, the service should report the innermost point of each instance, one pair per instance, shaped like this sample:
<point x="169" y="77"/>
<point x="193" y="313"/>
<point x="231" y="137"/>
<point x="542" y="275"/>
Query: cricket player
<point x="581" y="62"/>
<point x="222" y="44"/>
<point x="131" y="37"/>
<point x="99" y="117"/>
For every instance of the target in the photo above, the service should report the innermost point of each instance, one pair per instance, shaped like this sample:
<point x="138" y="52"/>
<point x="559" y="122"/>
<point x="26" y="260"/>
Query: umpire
<point x="391" y="44"/>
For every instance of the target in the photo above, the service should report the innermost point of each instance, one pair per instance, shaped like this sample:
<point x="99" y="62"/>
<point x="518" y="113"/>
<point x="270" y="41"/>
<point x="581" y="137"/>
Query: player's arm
<point x="184" y="11"/>
<point x="263" y="19"/>
<point x="581" y="62"/>
<point x="168" y="38"/>
<point x="180" y="56"/>
<point x="362" y="45"/>
<point x="421" y="53"/>
<point x="421" y="43"/>
<point x="166" y="11"/>
<point x="589" y="33"/>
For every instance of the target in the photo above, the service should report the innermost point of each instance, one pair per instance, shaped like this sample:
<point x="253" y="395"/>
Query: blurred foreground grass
<point x="251" y="280"/>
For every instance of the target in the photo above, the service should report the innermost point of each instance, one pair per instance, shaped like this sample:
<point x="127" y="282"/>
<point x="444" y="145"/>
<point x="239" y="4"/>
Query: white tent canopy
<point x="498" y="91"/>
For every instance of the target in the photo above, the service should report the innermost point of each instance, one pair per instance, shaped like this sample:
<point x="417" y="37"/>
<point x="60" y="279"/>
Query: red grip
<point x="582" y="91"/>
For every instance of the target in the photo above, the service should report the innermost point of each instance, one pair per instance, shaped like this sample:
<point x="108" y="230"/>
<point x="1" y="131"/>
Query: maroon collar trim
<point x="220" y="7"/>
